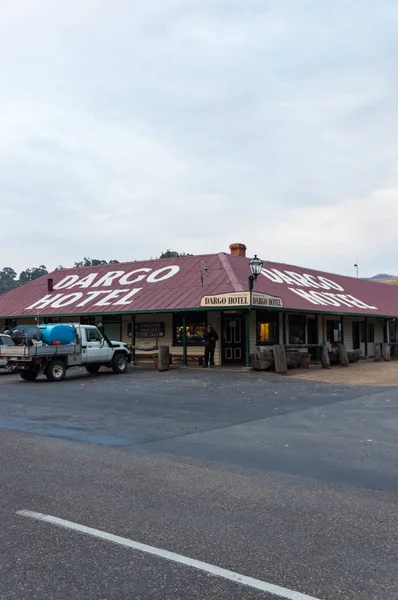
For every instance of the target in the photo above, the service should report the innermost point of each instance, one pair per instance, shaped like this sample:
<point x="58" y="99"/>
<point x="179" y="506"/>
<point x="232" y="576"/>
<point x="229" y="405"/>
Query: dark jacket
<point x="210" y="338"/>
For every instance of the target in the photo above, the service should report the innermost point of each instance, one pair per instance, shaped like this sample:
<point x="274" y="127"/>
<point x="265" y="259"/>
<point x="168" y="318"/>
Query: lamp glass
<point x="256" y="264"/>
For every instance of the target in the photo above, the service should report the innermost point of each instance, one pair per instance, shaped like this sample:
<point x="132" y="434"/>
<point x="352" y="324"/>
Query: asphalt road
<point x="290" y="482"/>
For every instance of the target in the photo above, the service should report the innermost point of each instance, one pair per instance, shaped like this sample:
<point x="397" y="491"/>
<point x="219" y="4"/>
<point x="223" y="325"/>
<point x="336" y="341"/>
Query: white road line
<point x="178" y="558"/>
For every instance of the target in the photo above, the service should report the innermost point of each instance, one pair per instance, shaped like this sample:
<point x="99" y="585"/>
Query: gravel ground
<point x="361" y="373"/>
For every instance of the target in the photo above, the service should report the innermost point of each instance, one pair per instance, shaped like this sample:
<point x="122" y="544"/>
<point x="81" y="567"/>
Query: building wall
<point x="348" y="339"/>
<point x="322" y="319"/>
<point x="167" y="340"/>
<point x="379" y="334"/>
<point x="213" y="318"/>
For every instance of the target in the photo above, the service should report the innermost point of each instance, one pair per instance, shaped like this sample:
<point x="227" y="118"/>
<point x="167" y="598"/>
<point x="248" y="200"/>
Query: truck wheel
<point x="119" y="363"/>
<point x="56" y="370"/>
<point x="92" y="369"/>
<point x="28" y="375"/>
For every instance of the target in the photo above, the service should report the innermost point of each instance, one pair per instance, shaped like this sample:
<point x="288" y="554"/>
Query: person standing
<point x="210" y="338"/>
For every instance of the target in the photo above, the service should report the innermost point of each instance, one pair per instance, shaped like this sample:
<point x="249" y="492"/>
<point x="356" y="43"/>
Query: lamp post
<point x="256" y="264"/>
<point x="357" y="268"/>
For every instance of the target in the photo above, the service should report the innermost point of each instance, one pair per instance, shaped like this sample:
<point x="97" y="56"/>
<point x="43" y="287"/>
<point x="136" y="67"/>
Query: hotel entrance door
<point x="233" y="340"/>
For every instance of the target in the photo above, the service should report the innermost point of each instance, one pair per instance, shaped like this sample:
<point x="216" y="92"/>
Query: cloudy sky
<point x="128" y="127"/>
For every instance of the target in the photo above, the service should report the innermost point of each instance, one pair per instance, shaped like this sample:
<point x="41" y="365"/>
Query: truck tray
<point x="14" y="353"/>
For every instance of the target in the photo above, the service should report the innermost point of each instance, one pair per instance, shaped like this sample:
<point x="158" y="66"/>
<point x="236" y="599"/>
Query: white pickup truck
<point x="5" y="340"/>
<point x="91" y="349"/>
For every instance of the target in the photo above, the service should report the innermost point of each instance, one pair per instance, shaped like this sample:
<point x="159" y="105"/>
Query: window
<point x="297" y="329"/>
<point x="6" y="341"/>
<point x="111" y="318"/>
<point x="88" y="320"/>
<point x="312" y="330"/>
<point x="10" y="323"/>
<point x="358" y="334"/>
<point x="267" y="327"/>
<point x="195" y="328"/>
<point x="333" y="331"/>
<point x="93" y="335"/>
<point x="358" y="330"/>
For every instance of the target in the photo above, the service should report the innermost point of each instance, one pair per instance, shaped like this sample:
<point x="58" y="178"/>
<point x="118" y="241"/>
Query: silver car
<point x="5" y="340"/>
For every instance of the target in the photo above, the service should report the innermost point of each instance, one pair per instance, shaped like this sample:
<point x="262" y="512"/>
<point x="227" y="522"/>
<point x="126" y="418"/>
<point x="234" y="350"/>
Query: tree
<point x="32" y="273"/>
<point x="173" y="254"/>
<point x="8" y="280"/>
<point x="95" y="262"/>
<point x="90" y="262"/>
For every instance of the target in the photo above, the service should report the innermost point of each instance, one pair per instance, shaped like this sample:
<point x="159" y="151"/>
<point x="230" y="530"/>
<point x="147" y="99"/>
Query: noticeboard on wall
<point x="150" y="330"/>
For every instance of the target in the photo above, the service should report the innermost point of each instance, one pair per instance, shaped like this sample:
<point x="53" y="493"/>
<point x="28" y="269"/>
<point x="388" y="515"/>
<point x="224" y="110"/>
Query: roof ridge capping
<point x="236" y="284"/>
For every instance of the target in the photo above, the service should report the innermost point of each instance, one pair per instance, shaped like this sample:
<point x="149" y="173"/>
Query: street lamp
<point x="357" y="268"/>
<point x="256" y="264"/>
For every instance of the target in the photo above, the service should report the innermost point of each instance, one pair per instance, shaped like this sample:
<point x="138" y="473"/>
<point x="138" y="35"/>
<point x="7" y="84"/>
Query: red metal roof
<point x="180" y="283"/>
<point x="317" y="291"/>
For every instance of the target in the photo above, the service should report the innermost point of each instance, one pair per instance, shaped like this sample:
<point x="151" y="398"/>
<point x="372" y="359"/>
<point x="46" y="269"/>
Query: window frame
<point x="261" y="318"/>
<point x="96" y="332"/>
<point x="191" y="320"/>
<point x="297" y="316"/>
<point x="338" y="328"/>
<point x="361" y="332"/>
<point x="87" y="320"/>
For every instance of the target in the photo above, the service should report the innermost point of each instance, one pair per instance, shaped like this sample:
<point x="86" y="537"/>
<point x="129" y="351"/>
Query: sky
<point x="129" y="127"/>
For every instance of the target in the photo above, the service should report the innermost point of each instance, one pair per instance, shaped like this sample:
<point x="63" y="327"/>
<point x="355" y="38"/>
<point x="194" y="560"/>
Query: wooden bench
<point x="145" y="356"/>
<point x="192" y="357"/>
<point x="173" y="357"/>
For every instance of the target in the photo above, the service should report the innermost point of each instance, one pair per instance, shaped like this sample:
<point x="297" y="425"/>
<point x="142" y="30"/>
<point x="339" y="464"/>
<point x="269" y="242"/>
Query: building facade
<point x="170" y="302"/>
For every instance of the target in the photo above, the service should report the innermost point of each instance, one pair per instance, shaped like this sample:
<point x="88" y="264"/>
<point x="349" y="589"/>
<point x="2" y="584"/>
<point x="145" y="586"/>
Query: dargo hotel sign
<point x="114" y="288"/>
<point x="242" y="299"/>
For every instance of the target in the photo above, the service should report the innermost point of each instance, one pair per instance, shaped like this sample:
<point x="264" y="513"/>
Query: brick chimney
<point x="237" y="249"/>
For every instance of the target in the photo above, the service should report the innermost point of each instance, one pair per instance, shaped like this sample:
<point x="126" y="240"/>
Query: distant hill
<point x="390" y="280"/>
<point x="381" y="276"/>
<point x="384" y="278"/>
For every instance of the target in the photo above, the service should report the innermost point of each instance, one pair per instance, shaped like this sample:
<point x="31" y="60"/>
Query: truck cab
<point x="5" y="340"/>
<point x="97" y="348"/>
